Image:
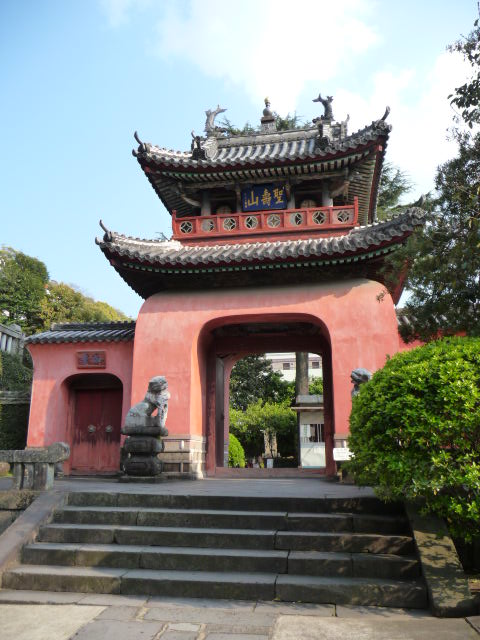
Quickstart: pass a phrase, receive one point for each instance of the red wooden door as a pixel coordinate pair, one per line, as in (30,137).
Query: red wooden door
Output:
(96,430)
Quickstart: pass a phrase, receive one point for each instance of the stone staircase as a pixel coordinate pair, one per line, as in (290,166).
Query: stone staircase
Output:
(341,551)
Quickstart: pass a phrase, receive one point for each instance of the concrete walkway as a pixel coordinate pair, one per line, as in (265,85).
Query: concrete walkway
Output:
(27,615)
(284,487)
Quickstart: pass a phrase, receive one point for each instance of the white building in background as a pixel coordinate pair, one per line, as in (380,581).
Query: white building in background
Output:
(285,363)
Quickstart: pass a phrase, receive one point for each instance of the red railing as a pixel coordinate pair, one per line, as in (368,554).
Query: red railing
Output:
(290,221)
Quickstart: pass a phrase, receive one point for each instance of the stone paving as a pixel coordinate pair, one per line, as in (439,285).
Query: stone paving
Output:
(28,615)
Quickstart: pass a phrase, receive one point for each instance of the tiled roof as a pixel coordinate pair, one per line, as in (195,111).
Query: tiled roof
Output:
(294,154)
(359,240)
(260,148)
(86,332)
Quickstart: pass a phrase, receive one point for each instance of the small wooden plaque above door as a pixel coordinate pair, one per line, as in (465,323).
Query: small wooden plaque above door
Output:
(91,359)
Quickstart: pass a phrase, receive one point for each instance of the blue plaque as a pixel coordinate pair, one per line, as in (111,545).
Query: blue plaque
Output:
(261,197)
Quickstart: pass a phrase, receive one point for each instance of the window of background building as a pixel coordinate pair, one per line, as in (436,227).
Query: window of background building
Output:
(315,364)
(286,366)
(317,433)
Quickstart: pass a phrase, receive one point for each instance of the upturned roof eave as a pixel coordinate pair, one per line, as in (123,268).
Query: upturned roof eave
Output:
(167,261)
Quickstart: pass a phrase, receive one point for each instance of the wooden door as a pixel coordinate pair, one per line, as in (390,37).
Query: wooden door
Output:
(96,430)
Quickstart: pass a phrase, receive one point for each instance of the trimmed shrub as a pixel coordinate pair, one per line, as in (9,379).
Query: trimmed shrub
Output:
(14,374)
(236,454)
(13,426)
(415,431)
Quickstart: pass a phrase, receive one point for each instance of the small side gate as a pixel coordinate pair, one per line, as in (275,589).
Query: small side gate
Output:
(97,415)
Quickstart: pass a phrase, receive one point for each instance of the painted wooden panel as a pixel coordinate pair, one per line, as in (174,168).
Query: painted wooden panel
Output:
(96,430)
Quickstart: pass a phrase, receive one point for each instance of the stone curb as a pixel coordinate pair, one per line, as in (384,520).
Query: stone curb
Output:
(448,591)
(26,526)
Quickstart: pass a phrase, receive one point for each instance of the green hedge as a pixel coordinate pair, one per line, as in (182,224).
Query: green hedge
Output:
(13,426)
(415,431)
(15,375)
(236,454)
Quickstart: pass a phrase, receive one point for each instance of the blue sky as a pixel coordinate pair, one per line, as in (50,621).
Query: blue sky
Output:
(79,77)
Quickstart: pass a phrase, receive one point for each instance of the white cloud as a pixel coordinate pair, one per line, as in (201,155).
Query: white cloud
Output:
(421,115)
(118,12)
(269,47)
(276,48)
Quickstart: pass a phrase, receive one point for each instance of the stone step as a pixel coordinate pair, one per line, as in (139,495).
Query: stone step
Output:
(353,565)
(227,538)
(231,519)
(353,591)
(158,536)
(346,542)
(366,505)
(250,586)
(242,560)
(161,558)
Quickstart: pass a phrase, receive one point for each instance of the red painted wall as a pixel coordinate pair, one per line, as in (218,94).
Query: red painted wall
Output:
(172,337)
(53,365)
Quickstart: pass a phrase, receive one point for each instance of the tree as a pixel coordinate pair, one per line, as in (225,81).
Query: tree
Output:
(282,123)
(315,388)
(394,183)
(253,379)
(444,277)
(63,303)
(23,280)
(467,96)
(444,258)
(28,298)
(419,415)
(250,424)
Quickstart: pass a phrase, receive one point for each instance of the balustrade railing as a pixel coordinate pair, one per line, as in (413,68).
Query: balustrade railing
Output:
(266,222)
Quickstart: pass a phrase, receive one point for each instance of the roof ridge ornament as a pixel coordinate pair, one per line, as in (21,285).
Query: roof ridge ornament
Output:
(198,153)
(108,236)
(143,147)
(268,123)
(327,105)
(210,127)
(381,121)
(385,115)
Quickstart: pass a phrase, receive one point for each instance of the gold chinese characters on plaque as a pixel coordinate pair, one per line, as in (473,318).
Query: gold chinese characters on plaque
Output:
(91,359)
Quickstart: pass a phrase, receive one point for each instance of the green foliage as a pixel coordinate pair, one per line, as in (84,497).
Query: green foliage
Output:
(15,375)
(282,123)
(22,288)
(63,303)
(315,387)
(415,431)
(248,426)
(394,183)
(29,299)
(13,426)
(236,454)
(467,96)
(253,379)
(444,257)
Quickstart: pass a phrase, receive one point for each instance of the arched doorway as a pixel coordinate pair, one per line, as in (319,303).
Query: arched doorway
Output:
(231,341)
(95,402)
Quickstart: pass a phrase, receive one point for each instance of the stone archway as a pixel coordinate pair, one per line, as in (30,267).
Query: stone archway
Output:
(175,337)
(231,341)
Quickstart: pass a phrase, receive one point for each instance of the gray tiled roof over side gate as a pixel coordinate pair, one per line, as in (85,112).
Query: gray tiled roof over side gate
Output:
(86,332)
